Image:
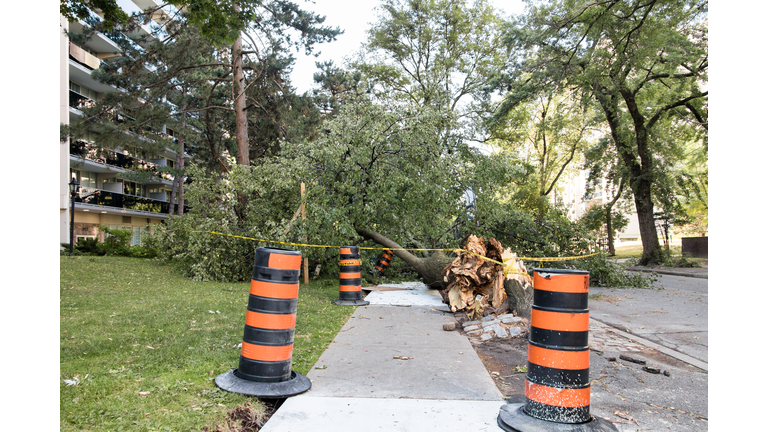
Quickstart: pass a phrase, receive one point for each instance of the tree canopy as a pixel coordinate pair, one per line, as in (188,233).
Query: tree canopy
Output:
(645,64)
(439,53)
(390,146)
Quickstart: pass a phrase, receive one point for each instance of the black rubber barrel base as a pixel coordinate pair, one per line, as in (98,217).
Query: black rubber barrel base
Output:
(512,418)
(232,383)
(341,302)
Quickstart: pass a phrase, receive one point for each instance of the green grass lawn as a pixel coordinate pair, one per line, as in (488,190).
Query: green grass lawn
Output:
(636,251)
(140,345)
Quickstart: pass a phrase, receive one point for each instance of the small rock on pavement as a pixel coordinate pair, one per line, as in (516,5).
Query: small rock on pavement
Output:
(449,326)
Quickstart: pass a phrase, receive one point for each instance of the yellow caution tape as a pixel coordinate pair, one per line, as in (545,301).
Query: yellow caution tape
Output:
(507,269)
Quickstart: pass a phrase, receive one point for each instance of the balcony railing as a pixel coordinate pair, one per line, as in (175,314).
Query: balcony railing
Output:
(117,200)
(78,101)
(84,57)
(91,152)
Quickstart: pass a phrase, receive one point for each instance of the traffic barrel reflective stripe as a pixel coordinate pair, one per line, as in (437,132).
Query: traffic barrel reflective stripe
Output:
(265,289)
(266,321)
(563,398)
(350,280)
(557,382)
(267,353)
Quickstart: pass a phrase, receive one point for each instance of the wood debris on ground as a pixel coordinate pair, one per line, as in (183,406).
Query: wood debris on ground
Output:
(476,285)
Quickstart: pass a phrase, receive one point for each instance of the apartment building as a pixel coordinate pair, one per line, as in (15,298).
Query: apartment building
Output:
(108,194)
(572,195)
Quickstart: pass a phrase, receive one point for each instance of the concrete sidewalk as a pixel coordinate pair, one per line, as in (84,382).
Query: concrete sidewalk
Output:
(392,367)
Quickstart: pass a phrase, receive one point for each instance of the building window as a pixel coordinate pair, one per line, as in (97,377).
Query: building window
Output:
(86,179)
(83,90)
(133,188)
(136,233)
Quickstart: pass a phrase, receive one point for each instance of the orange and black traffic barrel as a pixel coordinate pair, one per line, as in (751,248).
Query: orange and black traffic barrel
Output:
(384,261)
(267,349)
(557,385)
(350,280)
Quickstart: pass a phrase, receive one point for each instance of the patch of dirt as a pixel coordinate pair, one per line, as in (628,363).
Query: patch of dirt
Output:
(247,417)
(506,360)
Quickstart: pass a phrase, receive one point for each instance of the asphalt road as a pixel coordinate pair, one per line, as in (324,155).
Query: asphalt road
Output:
(674,315)
(672,320)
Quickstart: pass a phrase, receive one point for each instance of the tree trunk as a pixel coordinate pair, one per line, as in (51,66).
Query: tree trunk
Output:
(648,234)
(238,90)
(180,166)
(519,297)
(174,188)
(609,227)
(180,207)
(639,172)
(430,268)
(609,217)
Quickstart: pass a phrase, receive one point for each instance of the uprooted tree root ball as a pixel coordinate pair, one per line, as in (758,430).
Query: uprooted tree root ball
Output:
(479,287)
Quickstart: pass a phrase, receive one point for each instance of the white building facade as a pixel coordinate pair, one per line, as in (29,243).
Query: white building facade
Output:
(107,195)
(572,196)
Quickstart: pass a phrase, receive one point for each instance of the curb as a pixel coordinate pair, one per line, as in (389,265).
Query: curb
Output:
(670,272)
(668,351)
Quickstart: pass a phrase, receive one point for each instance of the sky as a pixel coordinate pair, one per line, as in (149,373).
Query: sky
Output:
(354,18)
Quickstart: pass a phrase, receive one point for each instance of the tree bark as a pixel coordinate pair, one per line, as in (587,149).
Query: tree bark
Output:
(180,167)
(238,90)
(648,234)
(609,218)
(174,188)
(180,163)
(430,268)
(609,228)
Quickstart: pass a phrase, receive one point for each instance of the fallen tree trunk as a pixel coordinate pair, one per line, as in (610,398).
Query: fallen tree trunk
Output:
(518,286)
(430,268)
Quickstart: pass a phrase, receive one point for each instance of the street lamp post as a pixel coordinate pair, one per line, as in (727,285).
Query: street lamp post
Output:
(73,186)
